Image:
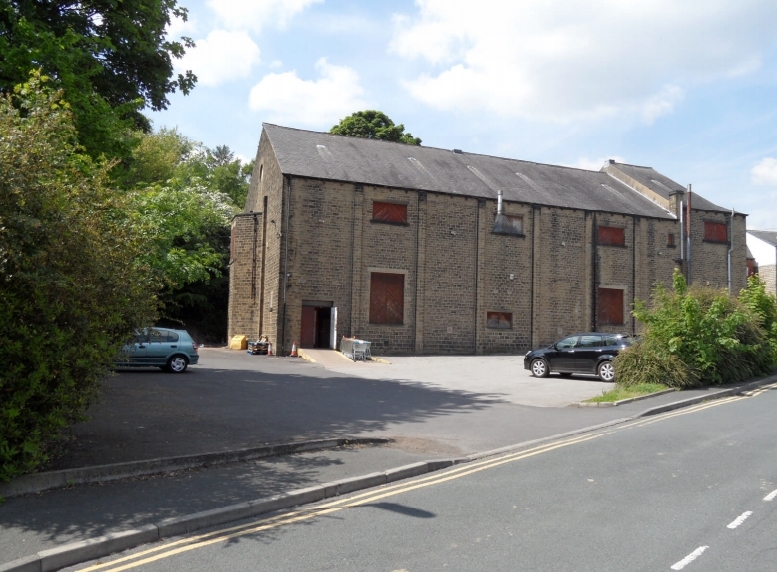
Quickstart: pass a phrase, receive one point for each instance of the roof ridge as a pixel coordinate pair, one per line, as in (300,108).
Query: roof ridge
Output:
(472,153)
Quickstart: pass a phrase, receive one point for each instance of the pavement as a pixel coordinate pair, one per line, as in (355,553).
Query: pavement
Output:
(238,434)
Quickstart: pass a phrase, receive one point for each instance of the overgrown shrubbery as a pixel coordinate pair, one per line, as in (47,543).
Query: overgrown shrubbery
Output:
(701,336)
(72,284)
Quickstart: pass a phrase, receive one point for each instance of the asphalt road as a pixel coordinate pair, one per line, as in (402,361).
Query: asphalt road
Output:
(694,489)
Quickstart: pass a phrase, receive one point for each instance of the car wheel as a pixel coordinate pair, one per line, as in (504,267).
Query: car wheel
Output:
(606,371)
(539,368)
(177,364)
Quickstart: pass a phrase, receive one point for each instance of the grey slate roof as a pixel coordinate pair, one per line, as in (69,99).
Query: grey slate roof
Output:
(663,186)
(376,162)
(768,236)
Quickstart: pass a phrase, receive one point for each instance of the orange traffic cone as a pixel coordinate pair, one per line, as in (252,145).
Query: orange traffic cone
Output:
(294,349)
(269,349)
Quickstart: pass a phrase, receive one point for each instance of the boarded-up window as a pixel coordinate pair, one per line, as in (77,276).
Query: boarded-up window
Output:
(389,212)
(715,231)
(499,320)
(610,306)
(670,240)
(387,298)
(612,236)
(752,269)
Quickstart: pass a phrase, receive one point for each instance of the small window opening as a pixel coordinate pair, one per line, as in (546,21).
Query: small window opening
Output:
(612,236)
(499,320)
(389,212)
(715,231)
(507,224)
(610,307)
(387,298)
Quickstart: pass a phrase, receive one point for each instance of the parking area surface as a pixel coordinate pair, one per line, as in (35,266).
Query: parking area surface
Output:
(496,376)
(429,405)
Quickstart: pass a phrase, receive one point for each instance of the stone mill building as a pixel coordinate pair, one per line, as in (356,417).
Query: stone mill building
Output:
(437,251)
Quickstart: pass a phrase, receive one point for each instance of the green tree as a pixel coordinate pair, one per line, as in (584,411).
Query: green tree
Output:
(73,283)
(111,58)
(187,224)
(156,159)
(373,124)
(185,195)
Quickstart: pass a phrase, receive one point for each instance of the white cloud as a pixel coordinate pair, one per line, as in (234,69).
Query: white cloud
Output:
(221,57)
(316,103)
(595,164)
(555,60)
(255,14)
(764,172)
(662,103)
(178,27)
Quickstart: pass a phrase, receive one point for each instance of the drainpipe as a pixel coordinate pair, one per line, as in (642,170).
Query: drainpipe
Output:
(688,232)
(499,208)
(730,249)
(682,236)
(285,267)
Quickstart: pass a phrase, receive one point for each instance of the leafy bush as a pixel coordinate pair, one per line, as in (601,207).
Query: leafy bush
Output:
(647,362)
(764,307)
(698,336)
(71,286)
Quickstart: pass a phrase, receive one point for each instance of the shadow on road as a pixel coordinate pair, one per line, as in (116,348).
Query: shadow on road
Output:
(148,414)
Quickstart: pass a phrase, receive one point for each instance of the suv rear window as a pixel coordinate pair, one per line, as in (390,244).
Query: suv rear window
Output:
(590,341)
(618,341)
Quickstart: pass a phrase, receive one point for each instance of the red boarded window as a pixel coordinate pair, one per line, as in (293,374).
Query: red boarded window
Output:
(612,236)
(752,269)
(389,212)
(610,306)
(387,298)
(670,239)
(499,320)
(715,231)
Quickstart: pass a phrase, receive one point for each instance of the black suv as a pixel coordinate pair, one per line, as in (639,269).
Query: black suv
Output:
(591,352)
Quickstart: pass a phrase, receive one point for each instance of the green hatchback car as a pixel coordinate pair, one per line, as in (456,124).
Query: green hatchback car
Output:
(171,350)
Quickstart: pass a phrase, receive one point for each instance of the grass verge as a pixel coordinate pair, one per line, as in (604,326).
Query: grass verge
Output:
(628,392)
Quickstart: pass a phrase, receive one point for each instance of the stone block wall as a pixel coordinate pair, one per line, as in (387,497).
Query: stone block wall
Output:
(388,248)
(262,284)
(244,273)
(450,274)
(506,275)
(562,286)
(616,268)
(455,268)
(320,257)
(768,274)
(709,260)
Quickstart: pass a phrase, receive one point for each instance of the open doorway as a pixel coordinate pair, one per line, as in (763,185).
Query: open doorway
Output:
(319,319)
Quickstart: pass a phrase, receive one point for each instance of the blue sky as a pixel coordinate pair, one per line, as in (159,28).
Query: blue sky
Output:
(688,87)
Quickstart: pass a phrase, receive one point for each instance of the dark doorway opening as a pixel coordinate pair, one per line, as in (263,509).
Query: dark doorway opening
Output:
(316,325)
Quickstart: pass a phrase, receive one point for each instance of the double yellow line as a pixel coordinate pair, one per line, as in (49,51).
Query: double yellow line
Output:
(200,541)
(192,543)
(695,408)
